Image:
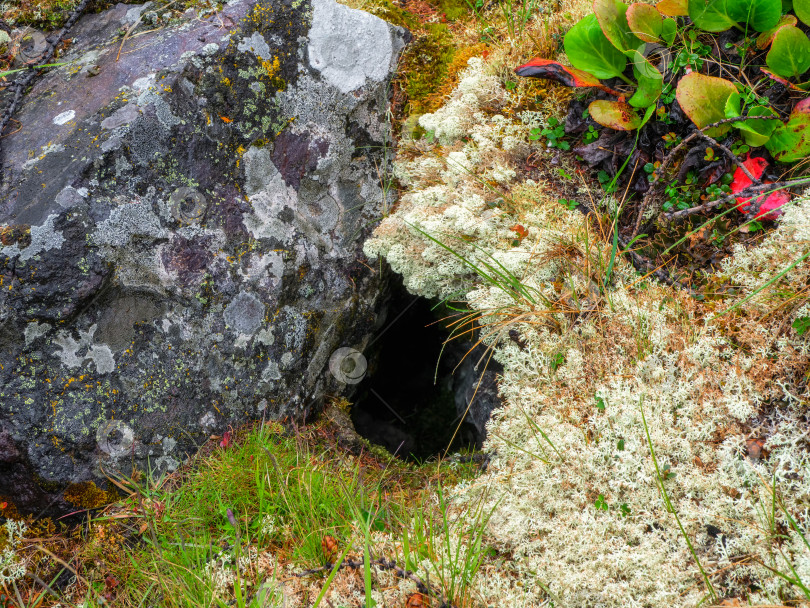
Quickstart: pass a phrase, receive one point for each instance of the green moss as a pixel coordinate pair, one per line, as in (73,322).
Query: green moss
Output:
(52,14)
(385,9)
(87,495)
(424,66)
(452,9)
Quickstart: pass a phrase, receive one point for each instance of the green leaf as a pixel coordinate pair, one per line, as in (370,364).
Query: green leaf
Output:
(757,132)
(589,49)
(614,115)
(647,93)
(650,82)
(669,29)
(710,15)
(789,56)
(802,10)
(765,38)
(759,14)
(600,503)
(790,142)
(612,18)
(647,116)
(801,325)
(703,99)
(600,404)
(645,21)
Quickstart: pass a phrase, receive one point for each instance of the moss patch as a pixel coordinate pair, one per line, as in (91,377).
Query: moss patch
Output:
(424,67)
(87,495)
(52,14)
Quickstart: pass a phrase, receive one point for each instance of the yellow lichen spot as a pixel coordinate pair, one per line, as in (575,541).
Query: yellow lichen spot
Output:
(271,67)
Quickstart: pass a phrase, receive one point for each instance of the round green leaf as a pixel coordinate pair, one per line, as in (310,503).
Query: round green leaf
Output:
(755,132)
(791,142)
(759,14)
(703,100)
(765,38)
(614,115)
(710,15)
(789,56)
(645,21)
(612,18)
(589,49)
(669,30)
(802,10)
(650,82)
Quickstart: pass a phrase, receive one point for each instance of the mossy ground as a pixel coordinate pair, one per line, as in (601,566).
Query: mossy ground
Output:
(254,509)
(52,14)
(578,516)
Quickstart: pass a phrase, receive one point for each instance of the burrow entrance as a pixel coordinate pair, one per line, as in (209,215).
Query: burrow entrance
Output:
(418,384)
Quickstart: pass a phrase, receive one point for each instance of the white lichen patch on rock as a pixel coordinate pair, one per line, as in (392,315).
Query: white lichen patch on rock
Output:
(348,46)
(613,387)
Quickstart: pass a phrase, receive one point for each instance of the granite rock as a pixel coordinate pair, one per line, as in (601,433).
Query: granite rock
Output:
(181,220)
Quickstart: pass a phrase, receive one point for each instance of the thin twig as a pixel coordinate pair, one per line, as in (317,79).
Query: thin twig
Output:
(645,265)
(21,83)
(747,192)
(659,173)
(135,25)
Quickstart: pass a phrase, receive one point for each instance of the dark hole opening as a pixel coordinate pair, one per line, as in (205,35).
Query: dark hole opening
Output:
(413,400)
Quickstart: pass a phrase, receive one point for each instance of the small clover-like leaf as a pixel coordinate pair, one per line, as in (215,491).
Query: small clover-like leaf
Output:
(801,325)
(600,503)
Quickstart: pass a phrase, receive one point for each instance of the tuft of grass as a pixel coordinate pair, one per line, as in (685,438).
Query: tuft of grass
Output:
(222,530)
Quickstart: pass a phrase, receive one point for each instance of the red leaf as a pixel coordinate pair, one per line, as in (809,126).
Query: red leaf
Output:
(226,439)
(552,70)
(521,231)
(781,80)
(756,165)
(769,209)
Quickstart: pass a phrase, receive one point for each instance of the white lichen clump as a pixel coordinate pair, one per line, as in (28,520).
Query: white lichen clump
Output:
(575,493)
(12,568)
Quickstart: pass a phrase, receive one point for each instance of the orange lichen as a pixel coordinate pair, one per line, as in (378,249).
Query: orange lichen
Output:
(459,62)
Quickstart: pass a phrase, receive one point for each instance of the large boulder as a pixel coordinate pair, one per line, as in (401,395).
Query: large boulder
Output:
(182,208)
